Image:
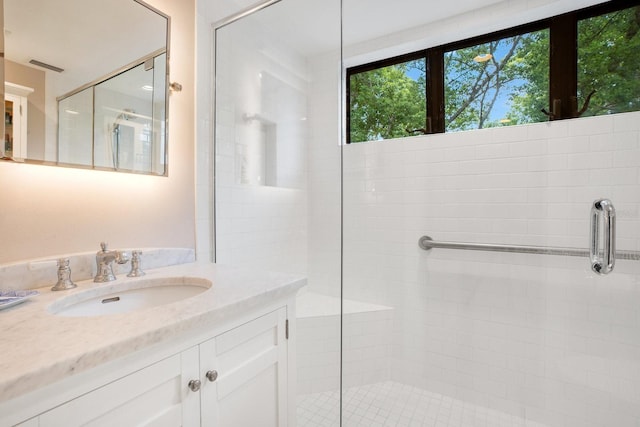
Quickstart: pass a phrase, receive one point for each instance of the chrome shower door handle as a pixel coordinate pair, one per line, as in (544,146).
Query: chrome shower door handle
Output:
(603,208)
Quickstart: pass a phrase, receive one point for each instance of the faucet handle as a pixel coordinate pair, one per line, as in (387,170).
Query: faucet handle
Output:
(64,276)
(104,246)
(136,262)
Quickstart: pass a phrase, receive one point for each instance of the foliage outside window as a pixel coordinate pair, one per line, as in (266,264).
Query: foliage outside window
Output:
(497,83)
(609,62)
(581,63)
(388,102)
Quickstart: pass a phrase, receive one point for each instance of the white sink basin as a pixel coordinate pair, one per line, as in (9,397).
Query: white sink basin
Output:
(129,296)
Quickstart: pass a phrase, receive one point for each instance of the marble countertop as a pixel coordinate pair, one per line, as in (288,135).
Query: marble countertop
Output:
(38,348)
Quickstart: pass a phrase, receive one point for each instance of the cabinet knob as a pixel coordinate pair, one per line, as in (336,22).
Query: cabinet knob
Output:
(194,385)
(212,375)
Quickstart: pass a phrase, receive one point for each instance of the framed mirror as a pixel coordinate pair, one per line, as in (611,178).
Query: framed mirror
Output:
(86,84)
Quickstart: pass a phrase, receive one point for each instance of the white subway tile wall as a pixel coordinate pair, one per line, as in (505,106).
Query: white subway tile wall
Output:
(260,224)
(324,176)
(539,337)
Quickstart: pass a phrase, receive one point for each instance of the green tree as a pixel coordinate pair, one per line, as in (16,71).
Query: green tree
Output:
(609,62)
(608,66)
(386,102)
(531,91)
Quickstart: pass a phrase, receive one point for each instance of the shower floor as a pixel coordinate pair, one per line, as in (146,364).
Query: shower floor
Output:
(394,404)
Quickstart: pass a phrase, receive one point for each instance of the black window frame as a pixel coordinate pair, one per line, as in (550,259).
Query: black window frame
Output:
(563,64)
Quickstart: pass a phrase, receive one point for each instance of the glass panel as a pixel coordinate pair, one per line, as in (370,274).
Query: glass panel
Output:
(500,83)
(388,102)
(608,62)
(277,175)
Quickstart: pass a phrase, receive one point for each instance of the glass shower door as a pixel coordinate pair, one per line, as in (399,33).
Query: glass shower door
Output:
(277,176)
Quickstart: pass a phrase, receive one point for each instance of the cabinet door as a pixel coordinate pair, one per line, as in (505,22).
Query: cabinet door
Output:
(157,395)
(251,363)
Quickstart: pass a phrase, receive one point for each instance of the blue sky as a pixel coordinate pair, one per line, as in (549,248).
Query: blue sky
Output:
(502,104)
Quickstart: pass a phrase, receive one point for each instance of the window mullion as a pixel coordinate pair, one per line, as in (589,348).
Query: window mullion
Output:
(435,90)
(563,70)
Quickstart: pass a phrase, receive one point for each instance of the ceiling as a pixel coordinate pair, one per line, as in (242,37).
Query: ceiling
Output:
(87,38)
(314,26)
(371,19)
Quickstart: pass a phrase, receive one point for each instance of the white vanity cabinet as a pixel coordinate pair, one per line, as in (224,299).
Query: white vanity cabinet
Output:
(236,378)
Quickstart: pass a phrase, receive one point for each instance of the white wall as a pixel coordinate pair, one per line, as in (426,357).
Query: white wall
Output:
(45,211)
(537,336)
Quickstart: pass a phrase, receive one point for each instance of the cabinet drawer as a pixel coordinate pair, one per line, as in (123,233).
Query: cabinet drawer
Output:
(154,396)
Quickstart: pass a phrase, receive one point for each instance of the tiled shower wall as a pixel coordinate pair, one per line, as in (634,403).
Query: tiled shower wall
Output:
(541,337)
(324,177)
(259,226)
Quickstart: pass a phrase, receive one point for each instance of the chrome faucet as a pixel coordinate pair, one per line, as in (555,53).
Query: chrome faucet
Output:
(104,260)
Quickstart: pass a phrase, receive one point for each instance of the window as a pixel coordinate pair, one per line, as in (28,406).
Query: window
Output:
(388,101)
(580,63)
(498,83)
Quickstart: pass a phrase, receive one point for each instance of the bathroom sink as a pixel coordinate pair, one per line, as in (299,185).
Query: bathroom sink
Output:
(129,296)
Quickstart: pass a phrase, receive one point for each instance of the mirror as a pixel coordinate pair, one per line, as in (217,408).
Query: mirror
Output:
(86,84)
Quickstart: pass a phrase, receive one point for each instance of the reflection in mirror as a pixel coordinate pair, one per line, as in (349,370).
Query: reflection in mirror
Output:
(75,126)
(71,54)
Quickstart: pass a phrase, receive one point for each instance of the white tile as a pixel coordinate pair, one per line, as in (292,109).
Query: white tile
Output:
(564,145)
(523,147)
(557,129)
(626,158)
(626,122)
(590,126)
(598,160)
(618,176)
